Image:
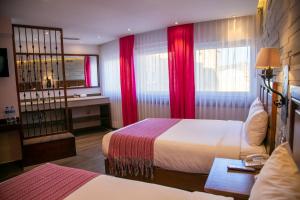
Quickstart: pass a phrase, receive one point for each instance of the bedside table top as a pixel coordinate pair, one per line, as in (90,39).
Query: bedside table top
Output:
(226,182)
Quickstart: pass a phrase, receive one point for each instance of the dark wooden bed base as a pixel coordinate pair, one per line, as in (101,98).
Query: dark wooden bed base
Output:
(196,181)
(175,179)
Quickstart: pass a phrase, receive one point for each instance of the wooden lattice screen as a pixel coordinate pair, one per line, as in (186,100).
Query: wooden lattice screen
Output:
(40,71)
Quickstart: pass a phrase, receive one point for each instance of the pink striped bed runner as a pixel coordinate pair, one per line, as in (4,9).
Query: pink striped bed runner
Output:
(131,149)
(48,181)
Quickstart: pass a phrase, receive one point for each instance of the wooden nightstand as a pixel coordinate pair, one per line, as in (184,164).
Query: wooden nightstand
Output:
(222,181)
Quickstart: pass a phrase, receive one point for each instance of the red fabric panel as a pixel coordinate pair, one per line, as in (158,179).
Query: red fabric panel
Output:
(131,149)
(48,181)
(181,71)
(87,71)
(128,89)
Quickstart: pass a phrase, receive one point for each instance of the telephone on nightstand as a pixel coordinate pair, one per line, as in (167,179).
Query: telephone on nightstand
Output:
(256,160)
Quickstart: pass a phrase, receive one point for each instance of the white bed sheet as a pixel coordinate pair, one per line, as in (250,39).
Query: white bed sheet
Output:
(112,188)
(192,144)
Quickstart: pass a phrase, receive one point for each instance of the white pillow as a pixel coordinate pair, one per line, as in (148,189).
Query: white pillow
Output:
(279,178)
(255,102)
(256,127)
(256,105)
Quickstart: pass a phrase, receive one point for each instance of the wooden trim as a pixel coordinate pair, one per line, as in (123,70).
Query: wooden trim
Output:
(103,117)
(181,180)
(38,136)
(268,98)
(64,79)
(80,54)
(273,119)
(37,27)
(70,114)
(21,133)
(294,133)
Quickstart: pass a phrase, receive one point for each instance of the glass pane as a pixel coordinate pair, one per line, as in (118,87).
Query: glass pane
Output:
(223,69)
(152,73)
(81,71)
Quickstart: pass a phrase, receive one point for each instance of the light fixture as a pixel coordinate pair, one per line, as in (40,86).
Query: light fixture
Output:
(267,60)
(176,23)
(47,32)
(129,30)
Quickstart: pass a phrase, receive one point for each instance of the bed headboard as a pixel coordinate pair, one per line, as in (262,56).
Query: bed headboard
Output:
(267,98)
(294,134)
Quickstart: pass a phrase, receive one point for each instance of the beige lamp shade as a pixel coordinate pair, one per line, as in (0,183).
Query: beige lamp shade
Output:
(268,57)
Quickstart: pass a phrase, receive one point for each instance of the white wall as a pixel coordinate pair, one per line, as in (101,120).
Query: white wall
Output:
(10,147)
(8,90)
(81,49)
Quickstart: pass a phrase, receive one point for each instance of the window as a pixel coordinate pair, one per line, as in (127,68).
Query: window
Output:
(223,70)
(152,74)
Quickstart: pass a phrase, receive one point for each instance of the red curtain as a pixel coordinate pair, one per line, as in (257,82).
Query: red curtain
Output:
(87,71)
(128,89)
(181,71)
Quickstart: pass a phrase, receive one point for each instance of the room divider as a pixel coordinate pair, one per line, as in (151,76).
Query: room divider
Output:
(39,64)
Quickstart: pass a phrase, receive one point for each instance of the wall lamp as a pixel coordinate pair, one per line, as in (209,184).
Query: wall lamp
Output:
(267,60)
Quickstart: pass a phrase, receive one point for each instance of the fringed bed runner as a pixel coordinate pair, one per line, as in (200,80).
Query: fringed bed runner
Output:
(131,149)
(49,181)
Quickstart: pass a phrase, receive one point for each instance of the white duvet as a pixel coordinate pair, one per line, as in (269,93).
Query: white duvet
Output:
(112,188)
(192,144)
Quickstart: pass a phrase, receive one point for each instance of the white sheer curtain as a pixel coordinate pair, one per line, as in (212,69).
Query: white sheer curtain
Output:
(224,68)
(110,79)
(151,74)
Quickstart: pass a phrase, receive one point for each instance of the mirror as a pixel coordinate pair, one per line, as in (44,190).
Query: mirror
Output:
(43,72)
(81,71)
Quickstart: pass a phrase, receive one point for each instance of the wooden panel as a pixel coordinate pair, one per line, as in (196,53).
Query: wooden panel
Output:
(180,180)
(49,150)
(86,117)
(294,136)
(268,99)
(85,111)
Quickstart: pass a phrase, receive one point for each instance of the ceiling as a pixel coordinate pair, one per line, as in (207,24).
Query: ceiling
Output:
(99,21)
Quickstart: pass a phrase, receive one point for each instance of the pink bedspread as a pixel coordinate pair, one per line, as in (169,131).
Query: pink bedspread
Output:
(47,181)
(131,149)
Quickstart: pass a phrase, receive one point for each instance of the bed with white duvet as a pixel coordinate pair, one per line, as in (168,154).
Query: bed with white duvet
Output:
(192,144)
